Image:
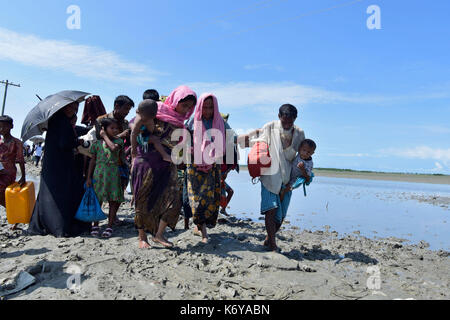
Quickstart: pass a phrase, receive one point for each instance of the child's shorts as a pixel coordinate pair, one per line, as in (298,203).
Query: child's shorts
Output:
(270,201)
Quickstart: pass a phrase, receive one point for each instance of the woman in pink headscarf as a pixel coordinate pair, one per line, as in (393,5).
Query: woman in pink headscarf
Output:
(203,176)
(156,192)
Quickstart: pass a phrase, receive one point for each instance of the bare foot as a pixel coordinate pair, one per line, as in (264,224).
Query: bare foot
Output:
(274,249)
(143,244)
(266,242)
(15,227)
(204,234)
(162,241)
(197,232)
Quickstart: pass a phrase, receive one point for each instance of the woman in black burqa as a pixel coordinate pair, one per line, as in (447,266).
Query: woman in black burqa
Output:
(61,186)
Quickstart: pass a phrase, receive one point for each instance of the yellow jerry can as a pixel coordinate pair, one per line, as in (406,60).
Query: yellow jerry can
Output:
(20,203)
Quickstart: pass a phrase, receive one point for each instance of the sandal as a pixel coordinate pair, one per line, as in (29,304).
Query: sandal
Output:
(107,233)
(118,222)
(95,231)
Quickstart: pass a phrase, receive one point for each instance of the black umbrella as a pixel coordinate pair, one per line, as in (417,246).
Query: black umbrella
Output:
(36,121)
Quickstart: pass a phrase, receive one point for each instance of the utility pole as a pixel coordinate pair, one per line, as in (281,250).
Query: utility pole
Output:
(7,83)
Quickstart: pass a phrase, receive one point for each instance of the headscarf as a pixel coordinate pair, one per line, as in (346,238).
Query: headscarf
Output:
(166,110)
(199,132)
(93,108)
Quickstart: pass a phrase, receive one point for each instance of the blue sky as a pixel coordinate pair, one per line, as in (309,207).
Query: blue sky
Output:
(371,99)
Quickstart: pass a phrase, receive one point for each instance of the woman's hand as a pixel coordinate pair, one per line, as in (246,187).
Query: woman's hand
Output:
(88,182)
(102,133)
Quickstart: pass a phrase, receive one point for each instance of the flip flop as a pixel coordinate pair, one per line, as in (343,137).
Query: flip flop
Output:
(95,231)
(107,233)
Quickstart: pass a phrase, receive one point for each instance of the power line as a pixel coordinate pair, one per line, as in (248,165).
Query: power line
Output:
(7,83)
(204,24)
(297,17)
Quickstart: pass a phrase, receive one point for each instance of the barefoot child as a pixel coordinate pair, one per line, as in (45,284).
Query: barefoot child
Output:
(302,165)
(106,161)
(11,152)
(143,127)
(226,191)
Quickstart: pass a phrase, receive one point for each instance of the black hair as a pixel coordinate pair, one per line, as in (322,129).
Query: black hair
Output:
(288,110)
(310,143)
(106,122)
(7,119)
(151,94)
(189,98)
(148,107)
(123,101)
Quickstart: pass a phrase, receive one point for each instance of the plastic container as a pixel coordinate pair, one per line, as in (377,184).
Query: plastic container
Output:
(20,203)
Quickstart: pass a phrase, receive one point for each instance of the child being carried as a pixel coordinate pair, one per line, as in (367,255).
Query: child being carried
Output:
(301,166)
(143,127)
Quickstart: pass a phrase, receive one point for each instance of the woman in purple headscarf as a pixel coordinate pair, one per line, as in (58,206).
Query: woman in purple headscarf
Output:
(156,192)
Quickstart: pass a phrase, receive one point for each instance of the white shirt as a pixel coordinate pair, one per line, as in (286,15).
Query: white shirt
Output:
(280,171)
(38,151)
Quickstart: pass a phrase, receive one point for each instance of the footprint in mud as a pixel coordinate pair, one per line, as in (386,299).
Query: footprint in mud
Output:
(108,286)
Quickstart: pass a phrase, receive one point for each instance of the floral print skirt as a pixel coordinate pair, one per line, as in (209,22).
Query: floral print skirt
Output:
(204,194)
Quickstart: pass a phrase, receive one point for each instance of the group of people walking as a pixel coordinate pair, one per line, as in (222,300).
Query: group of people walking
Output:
(144,153)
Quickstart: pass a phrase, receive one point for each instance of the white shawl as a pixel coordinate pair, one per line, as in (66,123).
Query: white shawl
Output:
(280,171)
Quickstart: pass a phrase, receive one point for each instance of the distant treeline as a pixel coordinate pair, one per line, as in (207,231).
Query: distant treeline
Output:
(244,167)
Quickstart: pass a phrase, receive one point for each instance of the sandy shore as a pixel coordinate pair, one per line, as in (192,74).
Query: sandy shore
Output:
(234,265)
(417,178)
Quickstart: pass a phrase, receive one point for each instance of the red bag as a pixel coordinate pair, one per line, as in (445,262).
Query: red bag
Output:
(258,158)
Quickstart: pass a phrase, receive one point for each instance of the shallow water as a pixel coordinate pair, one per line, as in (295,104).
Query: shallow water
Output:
(375,208)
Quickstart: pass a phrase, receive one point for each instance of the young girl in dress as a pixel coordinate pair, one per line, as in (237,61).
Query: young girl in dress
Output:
(106,176)
(11,152)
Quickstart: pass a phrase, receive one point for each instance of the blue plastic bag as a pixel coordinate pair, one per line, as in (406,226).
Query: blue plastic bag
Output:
(90,209)
(302,181)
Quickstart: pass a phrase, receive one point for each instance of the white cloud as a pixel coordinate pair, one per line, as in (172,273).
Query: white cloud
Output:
(350,155)
(81,60)
(270,94)
(265,66)
(421,152)
(247,93)
(435,129)
(238,94)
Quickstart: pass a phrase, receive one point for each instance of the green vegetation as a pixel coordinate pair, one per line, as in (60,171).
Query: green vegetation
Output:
(244,167)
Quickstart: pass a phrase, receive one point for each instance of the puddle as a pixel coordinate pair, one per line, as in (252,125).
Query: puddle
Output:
(375,208)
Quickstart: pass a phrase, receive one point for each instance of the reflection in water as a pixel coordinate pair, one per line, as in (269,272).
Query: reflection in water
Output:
(375,208)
